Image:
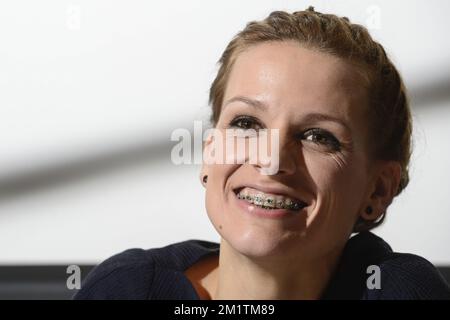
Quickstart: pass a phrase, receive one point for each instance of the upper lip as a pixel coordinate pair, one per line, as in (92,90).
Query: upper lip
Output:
(273,189)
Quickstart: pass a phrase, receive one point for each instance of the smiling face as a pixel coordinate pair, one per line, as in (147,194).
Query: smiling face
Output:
(318,103)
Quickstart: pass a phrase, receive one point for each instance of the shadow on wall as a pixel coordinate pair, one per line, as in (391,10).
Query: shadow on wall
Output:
(145,152)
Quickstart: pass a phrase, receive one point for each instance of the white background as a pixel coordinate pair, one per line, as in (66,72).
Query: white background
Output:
(90,92)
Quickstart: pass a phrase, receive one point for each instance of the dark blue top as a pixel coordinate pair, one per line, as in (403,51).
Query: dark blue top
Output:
(158,273)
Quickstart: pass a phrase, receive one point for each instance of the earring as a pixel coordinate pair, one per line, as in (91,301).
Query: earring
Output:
(369,210)
(205,178)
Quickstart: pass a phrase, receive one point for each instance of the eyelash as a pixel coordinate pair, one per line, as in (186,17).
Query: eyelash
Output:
(331,141)
(235,122)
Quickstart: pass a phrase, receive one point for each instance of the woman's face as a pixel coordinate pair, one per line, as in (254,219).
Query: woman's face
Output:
(317,102)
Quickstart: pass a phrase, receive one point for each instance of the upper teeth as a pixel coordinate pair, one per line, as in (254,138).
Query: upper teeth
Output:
(269,201)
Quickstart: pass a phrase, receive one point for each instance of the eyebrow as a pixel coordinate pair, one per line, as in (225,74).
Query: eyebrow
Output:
(310,117)
(251,102)
(320,117)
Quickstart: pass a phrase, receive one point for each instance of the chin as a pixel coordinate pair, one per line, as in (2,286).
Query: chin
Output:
(254,244)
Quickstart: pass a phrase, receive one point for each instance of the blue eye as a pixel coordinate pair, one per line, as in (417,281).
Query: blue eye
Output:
(322,137)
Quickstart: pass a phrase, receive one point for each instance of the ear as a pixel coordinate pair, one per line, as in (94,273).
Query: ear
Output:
(207,144)
(386,180)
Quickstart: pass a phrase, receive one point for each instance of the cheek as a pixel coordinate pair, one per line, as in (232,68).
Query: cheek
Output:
(338,187)
(335,171)
(339,183)
(218,192)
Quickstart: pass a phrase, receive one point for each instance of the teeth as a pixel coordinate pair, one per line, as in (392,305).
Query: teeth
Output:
(258,199)
(268,201)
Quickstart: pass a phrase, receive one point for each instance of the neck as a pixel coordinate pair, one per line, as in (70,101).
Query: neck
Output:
(289,278)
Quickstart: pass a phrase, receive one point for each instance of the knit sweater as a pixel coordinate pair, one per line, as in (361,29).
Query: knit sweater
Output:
(157,273)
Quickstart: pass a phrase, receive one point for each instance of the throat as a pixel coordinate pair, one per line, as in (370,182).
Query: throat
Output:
(203,276)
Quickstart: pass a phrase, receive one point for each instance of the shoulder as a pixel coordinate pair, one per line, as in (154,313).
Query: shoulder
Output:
(125,275)
(370,269)
(409,276)
(136,273)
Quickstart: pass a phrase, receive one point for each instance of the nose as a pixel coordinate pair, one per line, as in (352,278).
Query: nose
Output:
(284,151)
(288,158)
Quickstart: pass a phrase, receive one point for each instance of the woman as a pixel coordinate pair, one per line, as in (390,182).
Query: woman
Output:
(344,127)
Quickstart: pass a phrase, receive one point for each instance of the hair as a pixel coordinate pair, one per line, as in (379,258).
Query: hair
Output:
(388,111)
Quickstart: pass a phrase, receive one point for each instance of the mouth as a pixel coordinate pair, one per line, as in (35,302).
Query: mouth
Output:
(275,200)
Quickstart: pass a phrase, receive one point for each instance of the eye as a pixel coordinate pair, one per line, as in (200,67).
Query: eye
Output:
(245,122)
(322,138)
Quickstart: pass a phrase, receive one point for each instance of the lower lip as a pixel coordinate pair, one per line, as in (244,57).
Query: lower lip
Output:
(266,213)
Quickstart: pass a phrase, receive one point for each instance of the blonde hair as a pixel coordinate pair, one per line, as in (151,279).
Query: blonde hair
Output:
(388,113)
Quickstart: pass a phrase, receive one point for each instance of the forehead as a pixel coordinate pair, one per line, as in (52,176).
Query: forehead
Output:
(285,73)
